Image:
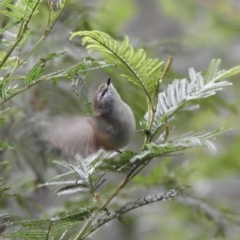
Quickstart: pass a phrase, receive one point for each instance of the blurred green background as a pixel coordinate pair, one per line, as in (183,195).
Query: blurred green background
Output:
(193,32)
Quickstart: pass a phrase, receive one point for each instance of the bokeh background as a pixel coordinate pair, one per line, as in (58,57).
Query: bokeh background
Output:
(193,32)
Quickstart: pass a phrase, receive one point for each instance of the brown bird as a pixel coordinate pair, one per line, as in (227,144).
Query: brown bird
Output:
(111,127)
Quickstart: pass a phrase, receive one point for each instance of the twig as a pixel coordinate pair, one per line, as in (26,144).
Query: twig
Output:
(166,196)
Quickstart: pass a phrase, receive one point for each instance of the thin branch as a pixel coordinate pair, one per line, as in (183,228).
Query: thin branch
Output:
(146,159)
(48,231)
(166,196)
(22,30)
(85,227)
(113,194)
(45,34)
(45,78)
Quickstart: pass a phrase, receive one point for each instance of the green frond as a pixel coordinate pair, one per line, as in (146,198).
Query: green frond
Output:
(54,12)
(4,3)
(9,25)
(27,3)
(23,12)
(120,164)
(201,139)
(85,96)
(20,10)
(11,14)
(3,145)
(213,74)
(212,70)
(4,45)
(10,63)
(35,73)
(140,70)
(2,121)
(51,228)
(180,92)
(17,9)
(228,73)
(3,85)
(7,89)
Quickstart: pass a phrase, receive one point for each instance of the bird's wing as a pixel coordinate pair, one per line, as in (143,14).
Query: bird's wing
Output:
(75,135)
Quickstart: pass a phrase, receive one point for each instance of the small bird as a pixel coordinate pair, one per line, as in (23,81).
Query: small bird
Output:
(111,127)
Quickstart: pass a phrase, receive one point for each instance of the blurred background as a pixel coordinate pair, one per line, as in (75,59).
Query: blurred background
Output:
(193,32)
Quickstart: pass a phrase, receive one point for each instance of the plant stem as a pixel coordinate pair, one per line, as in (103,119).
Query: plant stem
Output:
(22,30)
(115,192)
(83,230)
(45,34)
(32,84)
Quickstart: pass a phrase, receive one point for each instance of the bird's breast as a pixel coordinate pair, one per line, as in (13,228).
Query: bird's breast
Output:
(114,134)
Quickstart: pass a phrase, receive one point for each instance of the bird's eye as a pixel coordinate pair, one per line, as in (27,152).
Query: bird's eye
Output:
(104,91)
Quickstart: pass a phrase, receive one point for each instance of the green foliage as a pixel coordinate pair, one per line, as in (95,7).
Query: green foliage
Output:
(3,145)
(51,228)
(23,11)
(146,73)
(20,10)
(142,71)
(84,177)
(2,121)
(118,164)
(34,76)
(35,73)
(8,26)
(181,92)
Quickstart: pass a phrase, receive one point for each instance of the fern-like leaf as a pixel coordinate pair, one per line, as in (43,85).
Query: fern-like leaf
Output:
(34,74)
(9,25)
(19,10)
(182,91)
(140,70)
(201,139)
(4,3)
(212,70)
(86,171)
(50,228)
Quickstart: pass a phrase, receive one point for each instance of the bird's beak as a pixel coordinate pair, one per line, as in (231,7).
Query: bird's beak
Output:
(108,81)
